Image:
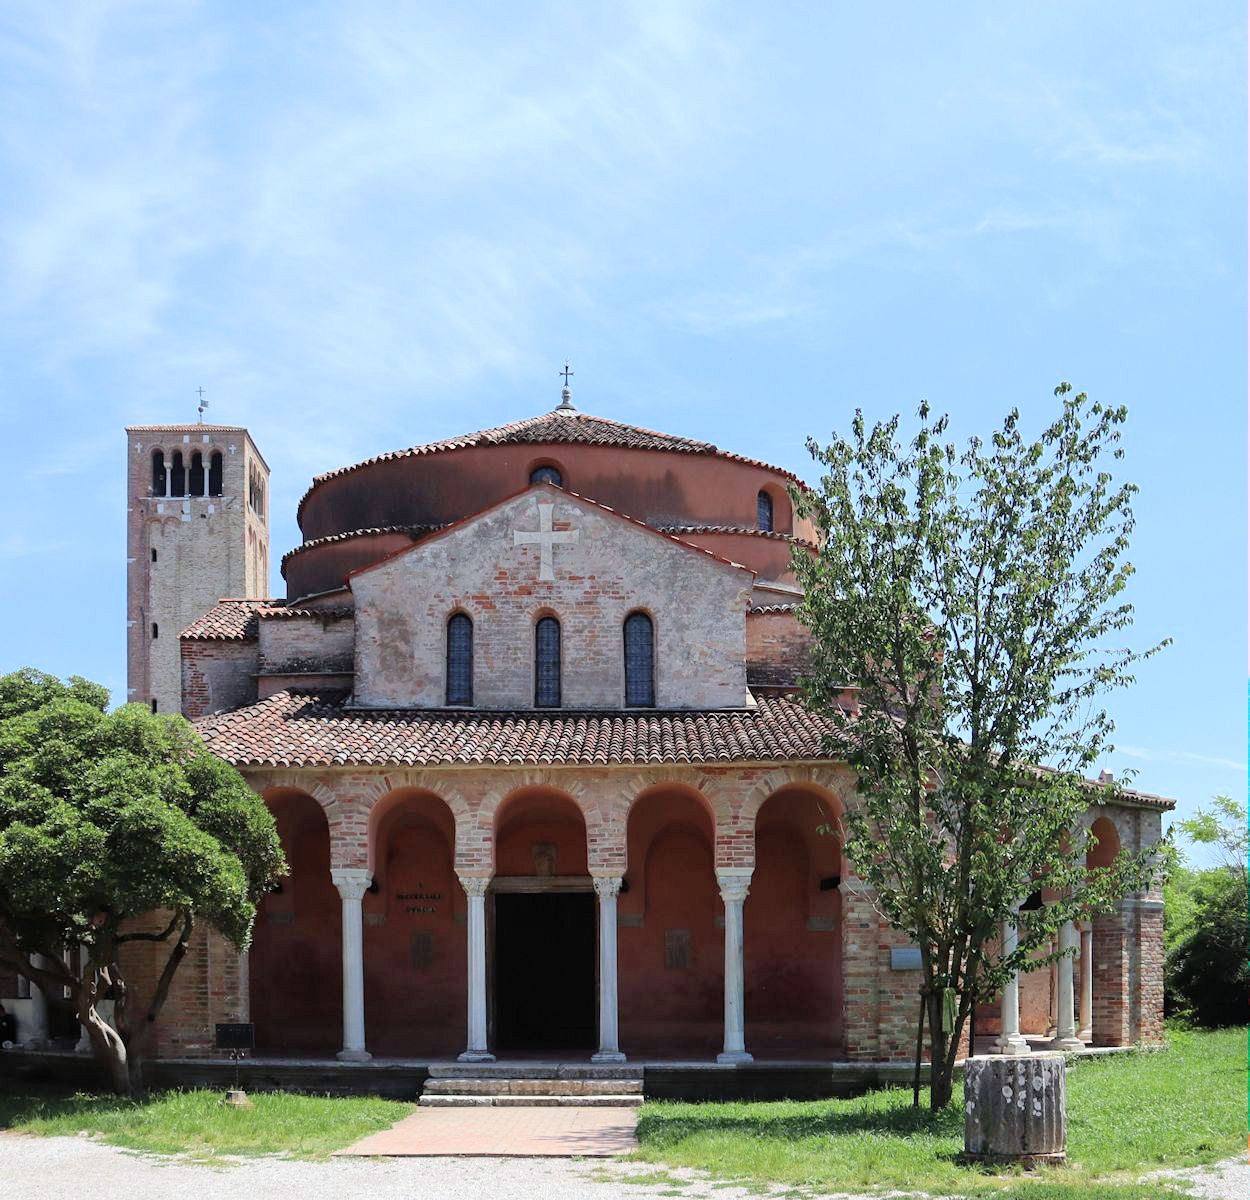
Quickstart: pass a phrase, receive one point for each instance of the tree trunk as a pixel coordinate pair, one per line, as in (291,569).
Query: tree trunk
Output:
(940,1073)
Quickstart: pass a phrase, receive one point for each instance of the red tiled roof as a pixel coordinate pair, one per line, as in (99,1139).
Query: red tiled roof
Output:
(412,531)
(680,530)
(189,427)
(559,426)
(316,729)
(227,621)
(280,611)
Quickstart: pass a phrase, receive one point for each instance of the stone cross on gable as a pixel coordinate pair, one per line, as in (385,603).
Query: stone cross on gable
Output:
(544,538)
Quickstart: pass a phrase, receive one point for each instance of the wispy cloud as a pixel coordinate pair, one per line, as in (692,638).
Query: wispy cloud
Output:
(1181,756)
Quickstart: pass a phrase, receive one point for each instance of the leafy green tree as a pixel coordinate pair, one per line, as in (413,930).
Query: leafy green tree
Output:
(107,818)
(1207,969)
(969,597)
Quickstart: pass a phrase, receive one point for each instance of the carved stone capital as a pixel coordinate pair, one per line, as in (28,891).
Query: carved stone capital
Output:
(352,882)
(734,883)
(608,885)
(474,885)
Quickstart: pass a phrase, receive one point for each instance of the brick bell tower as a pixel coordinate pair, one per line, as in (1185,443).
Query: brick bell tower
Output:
(197,530)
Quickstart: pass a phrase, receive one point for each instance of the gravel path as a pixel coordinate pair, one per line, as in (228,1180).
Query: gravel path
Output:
(71,1168)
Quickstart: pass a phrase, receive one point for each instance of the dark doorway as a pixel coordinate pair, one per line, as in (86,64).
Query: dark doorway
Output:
(545,971)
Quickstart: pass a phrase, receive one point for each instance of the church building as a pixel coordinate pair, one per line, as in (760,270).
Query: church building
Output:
(527,720)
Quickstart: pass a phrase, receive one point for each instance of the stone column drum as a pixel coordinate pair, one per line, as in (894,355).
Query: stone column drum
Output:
(1015,1108)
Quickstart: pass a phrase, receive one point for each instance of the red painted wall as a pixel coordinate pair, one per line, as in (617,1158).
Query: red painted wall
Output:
(295,964)
(415,945)
(793,933)
(670,1011)
(535,818)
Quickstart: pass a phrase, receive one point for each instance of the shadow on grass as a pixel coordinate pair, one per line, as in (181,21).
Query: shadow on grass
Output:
(660,1129)
(46,1104)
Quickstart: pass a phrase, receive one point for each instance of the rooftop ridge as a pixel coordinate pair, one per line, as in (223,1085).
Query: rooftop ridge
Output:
(557,426)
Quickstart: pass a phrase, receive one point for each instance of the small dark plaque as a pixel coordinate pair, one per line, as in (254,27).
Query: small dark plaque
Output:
(236,1037)
(677,949)
(422,951)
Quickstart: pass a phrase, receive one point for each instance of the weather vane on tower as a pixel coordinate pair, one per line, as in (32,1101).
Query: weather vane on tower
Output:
(203,403)
(566,396)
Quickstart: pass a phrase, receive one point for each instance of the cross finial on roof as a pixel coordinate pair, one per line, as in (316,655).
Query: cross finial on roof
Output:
(566,396)
(203,403)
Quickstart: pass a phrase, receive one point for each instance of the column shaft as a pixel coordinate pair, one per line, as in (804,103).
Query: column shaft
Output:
(1087,983)
(1010,1041)
(734,886)
(1065,1024)
(607,888)
(352,884)
(475,889)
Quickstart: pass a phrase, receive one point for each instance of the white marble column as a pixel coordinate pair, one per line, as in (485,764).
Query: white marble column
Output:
(37,1039)
(1065,1022)
(475,889)
(735,883)
(1086,1032)
(607,888)
(352,883)
(1010,1041)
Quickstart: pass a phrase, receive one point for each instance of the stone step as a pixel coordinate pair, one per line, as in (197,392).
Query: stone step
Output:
(532,1087)
(521,1070)
(628,1100)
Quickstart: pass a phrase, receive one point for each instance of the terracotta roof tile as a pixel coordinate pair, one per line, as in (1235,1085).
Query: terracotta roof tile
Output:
(316,729)
(680,530)
(227,621)
(558,426)
(412,531)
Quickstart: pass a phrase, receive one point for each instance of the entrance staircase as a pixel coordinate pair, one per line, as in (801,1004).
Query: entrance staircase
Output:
(481,1085)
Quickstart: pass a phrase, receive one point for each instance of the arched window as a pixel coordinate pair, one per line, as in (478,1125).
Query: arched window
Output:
(178,476)
(459,660)
(547,475)
(214,474)
(159,477)
(155,631)
(547,663)
(764,512)
(639,661)
(153,553)
(195,486)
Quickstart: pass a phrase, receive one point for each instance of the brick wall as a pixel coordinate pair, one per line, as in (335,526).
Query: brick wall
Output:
(778,648)
(614,567)
(217,675)
(325,643)
(206,547)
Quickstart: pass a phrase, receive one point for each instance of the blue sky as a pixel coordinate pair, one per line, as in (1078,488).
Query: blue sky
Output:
(365,226)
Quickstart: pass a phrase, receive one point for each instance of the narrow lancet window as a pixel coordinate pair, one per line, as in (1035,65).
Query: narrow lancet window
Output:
(156,632)
(764,512)
(639,661)
(214,475)
(196,487)
(547,663)
(460,660)
(159,478)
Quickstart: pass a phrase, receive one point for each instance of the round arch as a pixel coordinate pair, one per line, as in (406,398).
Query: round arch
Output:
(294,964)
(414,945)
(670,941)
(793,927)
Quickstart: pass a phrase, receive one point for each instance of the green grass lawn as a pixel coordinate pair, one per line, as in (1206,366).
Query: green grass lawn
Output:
(199,1124)
(1127,1114)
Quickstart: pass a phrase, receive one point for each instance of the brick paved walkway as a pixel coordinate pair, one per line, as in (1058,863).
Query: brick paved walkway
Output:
(518,1132)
